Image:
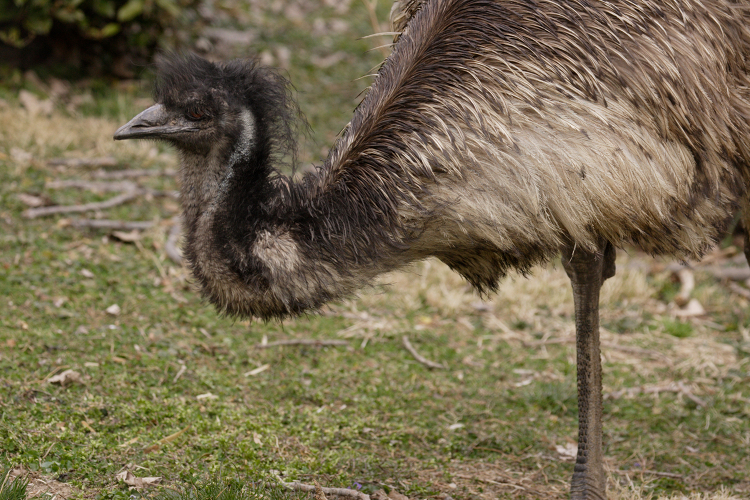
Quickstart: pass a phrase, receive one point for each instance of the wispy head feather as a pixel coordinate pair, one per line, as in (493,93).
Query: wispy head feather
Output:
(185,80)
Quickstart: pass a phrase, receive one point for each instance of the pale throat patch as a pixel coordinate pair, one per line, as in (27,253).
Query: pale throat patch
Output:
(243,148)
(278,251)
(247,138)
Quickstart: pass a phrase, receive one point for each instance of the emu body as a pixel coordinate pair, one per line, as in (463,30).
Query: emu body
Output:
(496,135)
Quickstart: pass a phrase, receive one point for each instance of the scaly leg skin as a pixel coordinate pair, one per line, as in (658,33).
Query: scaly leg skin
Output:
(746,227)
(587,271)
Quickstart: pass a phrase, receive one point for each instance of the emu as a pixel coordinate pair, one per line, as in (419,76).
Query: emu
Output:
(497,135)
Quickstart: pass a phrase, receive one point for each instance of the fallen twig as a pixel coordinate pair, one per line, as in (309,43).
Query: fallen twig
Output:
(419,357)
(311,342)
(122,225)
(739,290)
(608,345)
(107,161)
(503,482)
(171,245)
(105,186)
(687,284)
(740,272)
(102,186)
(342,492)
(679,388)
(127,174)
(650,472)
(101,205)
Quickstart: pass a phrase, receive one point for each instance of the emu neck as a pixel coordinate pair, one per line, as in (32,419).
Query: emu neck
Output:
(207,179)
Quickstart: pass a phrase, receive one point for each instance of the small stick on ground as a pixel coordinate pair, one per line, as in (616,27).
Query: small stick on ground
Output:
(419,357)
(609,345)
(649,472)
(128,174)
(102,186)
(342,492)
(739,290)
(120,225)
(171,245)
(33,213)
(83,162)
(310,342)
(687,284)
(319,493)
(679,388)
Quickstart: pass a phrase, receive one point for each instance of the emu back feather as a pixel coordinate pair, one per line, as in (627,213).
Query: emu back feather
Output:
(496,132)
(530,124)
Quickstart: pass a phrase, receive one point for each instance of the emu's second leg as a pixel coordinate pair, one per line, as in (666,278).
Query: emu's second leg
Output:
(587,271)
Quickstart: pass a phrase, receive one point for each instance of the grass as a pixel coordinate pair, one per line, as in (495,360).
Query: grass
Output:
(12,488)
(170,389)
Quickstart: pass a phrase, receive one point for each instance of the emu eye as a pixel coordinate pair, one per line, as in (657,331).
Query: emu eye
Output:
(196,115)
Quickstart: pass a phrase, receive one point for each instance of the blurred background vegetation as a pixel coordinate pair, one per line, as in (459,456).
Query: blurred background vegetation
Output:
(93,36)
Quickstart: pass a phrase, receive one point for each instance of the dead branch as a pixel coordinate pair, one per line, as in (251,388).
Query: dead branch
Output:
(171,245)
(102,186)
(678,388)
(502,482)
(687,284)
(33,213)
(127,174)
(728,272)
(121,225)
(609,345)
(649,472)
(419,357)
(309,342)
(342,492)
(739,290)
(107,161)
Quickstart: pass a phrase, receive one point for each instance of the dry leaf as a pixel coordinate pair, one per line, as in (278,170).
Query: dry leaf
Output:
(20,156)
(34,105)
(33,201)
(65,378)
(133,481)
(114,310)
(127,237)
(257,370)
(379,495)
(165,440)
(395,495)
(567,452)
(88,427)
(693,308)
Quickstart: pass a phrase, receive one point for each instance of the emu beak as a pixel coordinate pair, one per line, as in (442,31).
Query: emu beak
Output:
(154,123)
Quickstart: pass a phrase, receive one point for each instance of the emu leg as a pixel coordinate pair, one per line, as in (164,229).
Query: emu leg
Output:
(587,271)
(746,227)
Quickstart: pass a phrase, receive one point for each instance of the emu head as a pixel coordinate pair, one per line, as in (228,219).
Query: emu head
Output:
(231,110)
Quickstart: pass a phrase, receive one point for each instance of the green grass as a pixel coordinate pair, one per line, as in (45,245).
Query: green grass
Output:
(170,389)
(12,488)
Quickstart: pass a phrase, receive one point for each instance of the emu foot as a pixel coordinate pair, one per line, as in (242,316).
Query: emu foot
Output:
(588,483)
